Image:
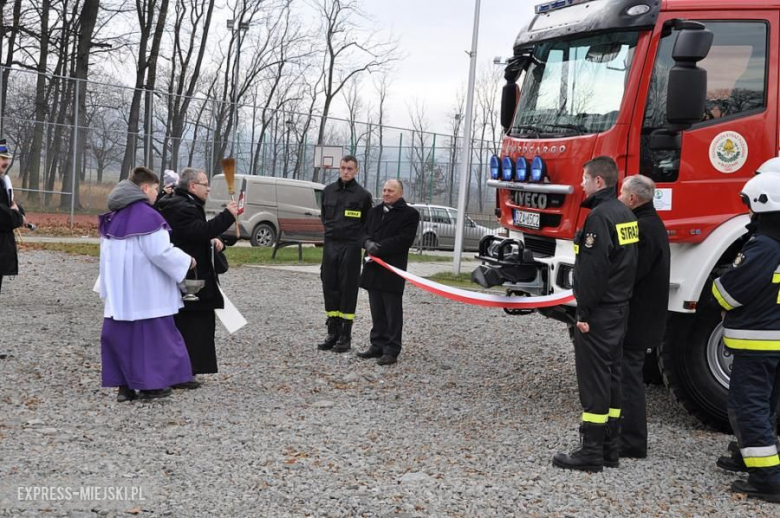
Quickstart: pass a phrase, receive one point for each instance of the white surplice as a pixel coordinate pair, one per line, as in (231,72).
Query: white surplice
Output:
(139,276)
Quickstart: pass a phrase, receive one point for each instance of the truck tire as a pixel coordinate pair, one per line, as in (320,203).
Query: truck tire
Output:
(695,364)
(263,234)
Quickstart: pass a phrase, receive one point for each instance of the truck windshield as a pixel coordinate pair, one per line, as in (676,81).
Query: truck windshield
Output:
(574,87)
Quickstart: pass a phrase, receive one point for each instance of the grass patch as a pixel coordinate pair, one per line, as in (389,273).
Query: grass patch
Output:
(461,280)
(237,256)
(90,249)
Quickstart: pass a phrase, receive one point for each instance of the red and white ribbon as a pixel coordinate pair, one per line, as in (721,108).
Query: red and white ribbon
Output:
(480,299)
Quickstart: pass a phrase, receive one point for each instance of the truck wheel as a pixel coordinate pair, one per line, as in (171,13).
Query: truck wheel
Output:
(263,235)
(695,364)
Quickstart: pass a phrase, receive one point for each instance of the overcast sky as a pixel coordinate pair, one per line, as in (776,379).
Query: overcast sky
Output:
(435,36)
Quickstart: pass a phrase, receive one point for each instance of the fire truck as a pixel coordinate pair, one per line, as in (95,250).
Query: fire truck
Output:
(682,91)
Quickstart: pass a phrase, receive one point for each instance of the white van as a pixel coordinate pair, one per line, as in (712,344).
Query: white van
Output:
(271,203)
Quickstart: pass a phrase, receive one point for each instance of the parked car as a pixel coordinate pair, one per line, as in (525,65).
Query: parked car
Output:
(270,202)
(437,228)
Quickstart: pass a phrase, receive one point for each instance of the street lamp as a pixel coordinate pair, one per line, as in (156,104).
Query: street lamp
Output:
(242,27)
(464,163)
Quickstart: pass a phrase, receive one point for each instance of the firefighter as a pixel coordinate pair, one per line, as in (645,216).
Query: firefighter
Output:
(345,206)
(604,270)
(748,294)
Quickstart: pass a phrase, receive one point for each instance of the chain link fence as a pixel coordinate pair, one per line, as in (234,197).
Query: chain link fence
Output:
(70,136)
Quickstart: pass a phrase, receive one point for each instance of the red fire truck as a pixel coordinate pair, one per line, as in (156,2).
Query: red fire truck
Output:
(682,91)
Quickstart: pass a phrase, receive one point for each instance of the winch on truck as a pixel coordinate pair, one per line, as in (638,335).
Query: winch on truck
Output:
(684,92)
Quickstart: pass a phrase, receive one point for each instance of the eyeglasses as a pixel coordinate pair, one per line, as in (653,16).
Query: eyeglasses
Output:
(201,183)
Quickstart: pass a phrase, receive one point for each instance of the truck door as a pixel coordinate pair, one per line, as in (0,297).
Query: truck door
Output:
(698,184)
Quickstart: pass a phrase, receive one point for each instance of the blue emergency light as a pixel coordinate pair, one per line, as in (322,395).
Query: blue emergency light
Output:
(538,169)
(521,169)
(508,168)
(556,4)
(495,167)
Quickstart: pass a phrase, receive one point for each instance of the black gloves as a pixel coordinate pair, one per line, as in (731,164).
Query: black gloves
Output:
(371,247)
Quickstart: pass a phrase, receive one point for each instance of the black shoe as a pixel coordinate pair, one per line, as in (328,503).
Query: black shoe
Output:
(334,330)
(743,486)
(125,394)
(731,463)
(154,394)
(386,359)
(632,453)
(590,455)
(344,343)
(187,385)
(370,353)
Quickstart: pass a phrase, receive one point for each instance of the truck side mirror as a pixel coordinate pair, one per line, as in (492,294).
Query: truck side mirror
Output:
(508,105)
(686,92)
(509,92)
(687,88)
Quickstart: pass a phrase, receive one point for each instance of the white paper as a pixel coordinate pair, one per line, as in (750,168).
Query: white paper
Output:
(663,199)
(230,317)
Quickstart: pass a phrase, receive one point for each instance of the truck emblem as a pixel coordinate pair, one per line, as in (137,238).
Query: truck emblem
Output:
(728,152)
(590,240)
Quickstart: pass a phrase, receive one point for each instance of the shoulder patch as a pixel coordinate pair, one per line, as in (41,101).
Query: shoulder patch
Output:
(590,240)
(627,233)
(738,259)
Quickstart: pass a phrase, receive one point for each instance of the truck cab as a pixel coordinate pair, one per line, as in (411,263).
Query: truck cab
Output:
(682,91)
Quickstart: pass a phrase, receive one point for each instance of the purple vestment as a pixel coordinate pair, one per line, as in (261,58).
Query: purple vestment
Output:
(143,354)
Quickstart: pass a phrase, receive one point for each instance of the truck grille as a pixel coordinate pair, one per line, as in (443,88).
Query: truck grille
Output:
(542,246)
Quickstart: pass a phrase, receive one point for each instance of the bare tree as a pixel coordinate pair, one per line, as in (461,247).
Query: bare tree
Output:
(185,73)
(151,15)
(456,119)
(348,53)
(382,89)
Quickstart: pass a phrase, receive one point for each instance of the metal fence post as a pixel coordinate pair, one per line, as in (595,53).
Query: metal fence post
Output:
(433,168)
(75,151)
(400,147)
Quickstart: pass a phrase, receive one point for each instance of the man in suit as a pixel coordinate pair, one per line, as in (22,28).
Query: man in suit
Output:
(389,233)
(647,312)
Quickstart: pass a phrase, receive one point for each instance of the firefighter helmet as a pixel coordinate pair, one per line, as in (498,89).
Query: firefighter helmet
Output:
(762,192)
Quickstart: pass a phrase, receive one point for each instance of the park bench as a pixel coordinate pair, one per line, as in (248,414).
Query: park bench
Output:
(298,232)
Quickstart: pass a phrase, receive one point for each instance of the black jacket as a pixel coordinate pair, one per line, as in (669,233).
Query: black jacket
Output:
(394,232)
(9,220)
(344,210)
(193,234)
(606,250)
(649,303)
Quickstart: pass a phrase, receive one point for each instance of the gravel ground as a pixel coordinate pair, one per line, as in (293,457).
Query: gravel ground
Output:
(464,425)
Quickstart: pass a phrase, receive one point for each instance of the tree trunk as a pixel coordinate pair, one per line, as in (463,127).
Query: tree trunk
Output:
(41,106)
(87,19)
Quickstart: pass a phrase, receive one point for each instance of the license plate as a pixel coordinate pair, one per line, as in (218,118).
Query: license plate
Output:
(527,219)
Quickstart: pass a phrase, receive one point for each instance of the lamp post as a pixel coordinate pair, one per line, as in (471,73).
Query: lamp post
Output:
(242,27)
(464,163)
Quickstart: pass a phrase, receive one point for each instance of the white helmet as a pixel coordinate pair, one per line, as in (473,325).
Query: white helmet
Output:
(762,192)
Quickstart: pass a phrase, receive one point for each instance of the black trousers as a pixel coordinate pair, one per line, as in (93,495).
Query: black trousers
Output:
(597,357)
(198,328)
(1,283)
(340,274)
(387,317)
(633,429)
(754,392)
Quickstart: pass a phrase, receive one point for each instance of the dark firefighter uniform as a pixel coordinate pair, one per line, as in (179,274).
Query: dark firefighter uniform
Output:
(750,294)
(604,270)
(344,211)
